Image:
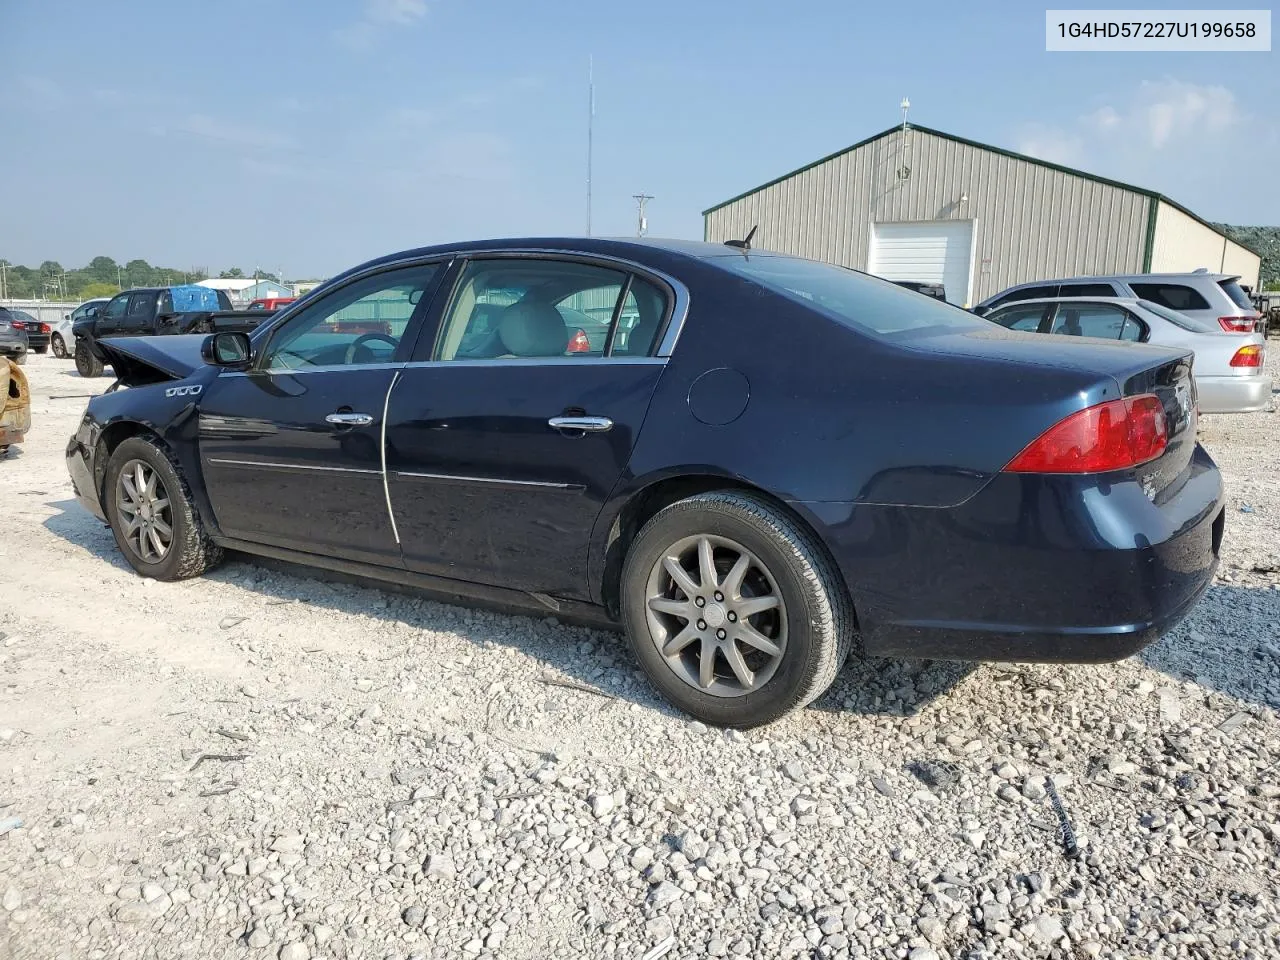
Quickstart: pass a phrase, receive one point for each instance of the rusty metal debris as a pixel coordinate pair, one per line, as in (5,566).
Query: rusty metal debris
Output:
(15,414)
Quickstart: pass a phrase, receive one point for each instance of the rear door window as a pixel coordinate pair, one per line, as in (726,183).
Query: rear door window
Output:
(1027,318)
(1089,290)
(1028,293)
(1175,296)
(1090,320)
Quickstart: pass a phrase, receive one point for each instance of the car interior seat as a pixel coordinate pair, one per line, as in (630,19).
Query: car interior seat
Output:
(531,329)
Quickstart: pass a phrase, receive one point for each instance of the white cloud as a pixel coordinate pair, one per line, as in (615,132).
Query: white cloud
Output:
(379,15)
(234,133)
(1052,144)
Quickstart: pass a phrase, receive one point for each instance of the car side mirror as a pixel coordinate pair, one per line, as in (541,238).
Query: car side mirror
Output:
(230,348)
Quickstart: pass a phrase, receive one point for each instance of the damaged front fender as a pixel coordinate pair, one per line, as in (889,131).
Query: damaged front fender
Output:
(15,415)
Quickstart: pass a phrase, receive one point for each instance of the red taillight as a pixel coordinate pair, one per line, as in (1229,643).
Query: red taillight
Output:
(579,343)
(44,328)
(1114,435)
(1237,324)
(19,325)
(1250,356)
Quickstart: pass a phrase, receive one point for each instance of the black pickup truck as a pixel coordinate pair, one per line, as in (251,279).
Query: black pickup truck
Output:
(156,311)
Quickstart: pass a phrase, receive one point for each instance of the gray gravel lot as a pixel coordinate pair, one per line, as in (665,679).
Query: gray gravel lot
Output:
(262,764)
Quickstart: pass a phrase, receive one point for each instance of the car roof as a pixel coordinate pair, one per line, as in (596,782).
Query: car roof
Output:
(627,247)
(1122,301)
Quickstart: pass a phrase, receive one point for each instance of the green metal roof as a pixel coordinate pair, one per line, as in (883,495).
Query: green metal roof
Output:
(1153,195)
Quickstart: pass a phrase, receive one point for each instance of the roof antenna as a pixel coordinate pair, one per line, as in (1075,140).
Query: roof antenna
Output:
(744,244)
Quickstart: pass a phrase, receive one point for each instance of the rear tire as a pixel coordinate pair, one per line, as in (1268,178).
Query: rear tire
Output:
(183,552)
(86,363)
(44,349)
(776,618)
(59,347)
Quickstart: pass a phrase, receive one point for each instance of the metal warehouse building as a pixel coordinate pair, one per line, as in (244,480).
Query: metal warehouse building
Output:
(917,204)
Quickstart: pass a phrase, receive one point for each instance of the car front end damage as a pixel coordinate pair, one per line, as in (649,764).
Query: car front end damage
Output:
(15,415)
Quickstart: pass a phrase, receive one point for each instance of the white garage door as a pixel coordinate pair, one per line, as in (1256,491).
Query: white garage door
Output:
(932,251)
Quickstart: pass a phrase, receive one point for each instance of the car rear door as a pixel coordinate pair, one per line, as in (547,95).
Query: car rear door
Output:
(501,444)
(291,449)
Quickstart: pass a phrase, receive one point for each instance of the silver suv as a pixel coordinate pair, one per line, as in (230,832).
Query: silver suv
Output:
(1215,299)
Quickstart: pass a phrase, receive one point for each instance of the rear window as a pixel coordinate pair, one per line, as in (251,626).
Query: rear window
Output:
(1233,290)
(1175,296)
(852,298)
(1176,318)
(1026,293)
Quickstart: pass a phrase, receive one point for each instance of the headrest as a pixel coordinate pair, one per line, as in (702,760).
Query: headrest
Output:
(533,330)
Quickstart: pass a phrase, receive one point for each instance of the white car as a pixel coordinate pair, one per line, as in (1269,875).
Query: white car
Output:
(63,341)
(1215,299)
(1229,368)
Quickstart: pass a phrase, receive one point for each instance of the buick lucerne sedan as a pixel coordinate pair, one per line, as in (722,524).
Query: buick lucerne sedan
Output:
(763,463)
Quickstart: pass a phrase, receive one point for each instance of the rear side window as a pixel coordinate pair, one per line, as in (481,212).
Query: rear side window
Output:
(1233,290)
(1088,290)
(849,297)
(1175,296)
(1019,318)
(1028,293)
(1090,320)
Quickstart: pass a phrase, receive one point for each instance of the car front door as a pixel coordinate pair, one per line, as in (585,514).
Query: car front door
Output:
(291,449)
(502,443)
(108,322)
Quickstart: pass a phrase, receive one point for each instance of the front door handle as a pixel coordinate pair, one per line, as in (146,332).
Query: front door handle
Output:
(581,424)
(349,419)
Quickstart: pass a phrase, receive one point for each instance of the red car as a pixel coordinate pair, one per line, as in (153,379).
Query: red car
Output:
(271,303)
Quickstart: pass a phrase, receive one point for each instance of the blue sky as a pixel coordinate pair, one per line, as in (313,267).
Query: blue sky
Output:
(311,136)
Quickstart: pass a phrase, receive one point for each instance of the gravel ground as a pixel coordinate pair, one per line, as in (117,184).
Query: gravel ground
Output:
(262,764)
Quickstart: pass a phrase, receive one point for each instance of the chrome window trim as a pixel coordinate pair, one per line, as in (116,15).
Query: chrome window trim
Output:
(275,465)
(538,361)
(497,481)
(324,368)
(679,305)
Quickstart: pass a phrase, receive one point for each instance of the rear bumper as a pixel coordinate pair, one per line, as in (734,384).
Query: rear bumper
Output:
(1233,394)
(13,348)
(38,340)
(1032,568)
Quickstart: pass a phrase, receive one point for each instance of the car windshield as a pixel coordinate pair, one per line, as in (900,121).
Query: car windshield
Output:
(1233,290)
(1176,318)
(854,299)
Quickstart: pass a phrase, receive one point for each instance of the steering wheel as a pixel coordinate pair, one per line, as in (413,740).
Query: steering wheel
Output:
(359,342)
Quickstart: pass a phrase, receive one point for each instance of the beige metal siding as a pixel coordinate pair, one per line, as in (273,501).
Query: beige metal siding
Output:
(1236,259)
(1031,222)
(1183,243)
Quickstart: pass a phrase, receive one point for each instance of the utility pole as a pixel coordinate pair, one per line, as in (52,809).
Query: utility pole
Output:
(642,225)
(119,280)
(591,117)
(4,279)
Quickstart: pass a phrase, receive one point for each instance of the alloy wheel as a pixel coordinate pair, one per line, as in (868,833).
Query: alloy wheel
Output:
(716,615)
(142,505)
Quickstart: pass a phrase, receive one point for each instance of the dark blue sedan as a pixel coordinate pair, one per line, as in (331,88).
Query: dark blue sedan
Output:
(766,461)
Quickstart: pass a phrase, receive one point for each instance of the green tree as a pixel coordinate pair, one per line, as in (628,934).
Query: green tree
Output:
(91,291)
(235,273)
(102,270)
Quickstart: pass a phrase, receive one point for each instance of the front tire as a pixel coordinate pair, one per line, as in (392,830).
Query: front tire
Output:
(59,347)
(87,365)
(155,523)
(734,609)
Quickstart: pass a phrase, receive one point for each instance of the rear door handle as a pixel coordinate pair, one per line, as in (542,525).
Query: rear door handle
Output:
(583,424)
(350,419)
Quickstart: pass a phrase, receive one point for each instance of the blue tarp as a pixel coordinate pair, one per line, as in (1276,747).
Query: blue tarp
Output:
(193,298)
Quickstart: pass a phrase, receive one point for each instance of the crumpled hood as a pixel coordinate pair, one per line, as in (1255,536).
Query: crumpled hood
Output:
(142,360)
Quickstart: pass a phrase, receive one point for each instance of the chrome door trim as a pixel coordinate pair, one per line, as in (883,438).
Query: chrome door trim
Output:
(349,419)
(531,361)
(322,368)
(585,424)
(496,481)
(386,487)
(275,465)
